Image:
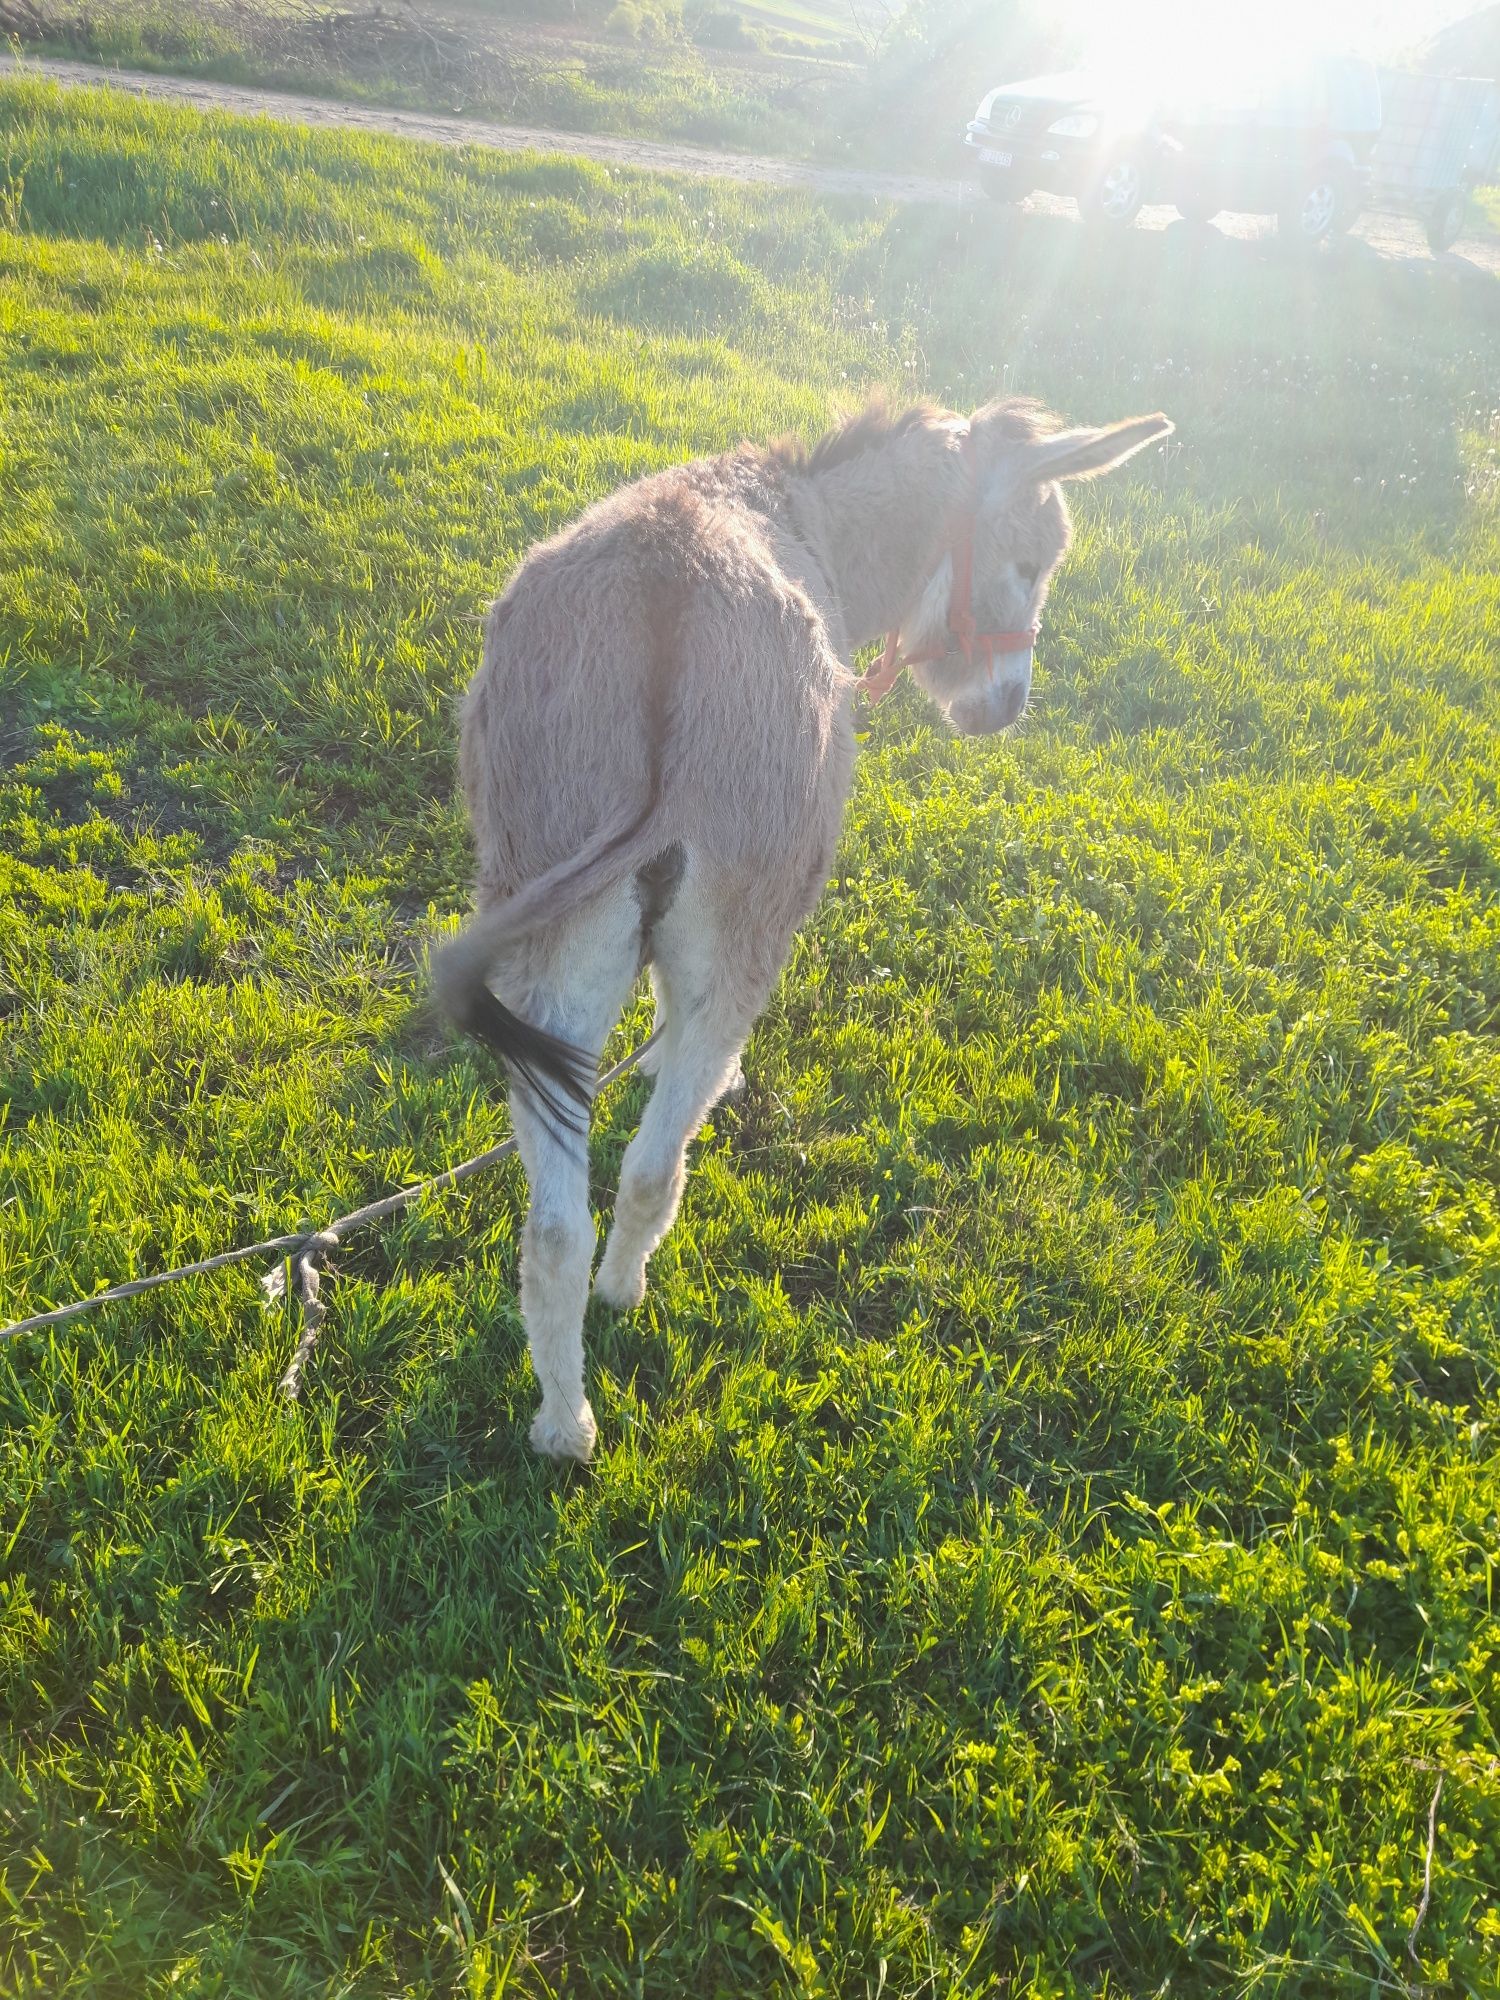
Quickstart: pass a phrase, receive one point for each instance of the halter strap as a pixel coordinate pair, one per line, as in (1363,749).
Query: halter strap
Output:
(883,676)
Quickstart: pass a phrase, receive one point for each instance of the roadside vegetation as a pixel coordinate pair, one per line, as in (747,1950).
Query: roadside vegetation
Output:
(637,69)
(1042,1540)
(872,83)
(867,82)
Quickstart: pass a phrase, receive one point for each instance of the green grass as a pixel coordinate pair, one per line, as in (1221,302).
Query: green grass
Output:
(813,21)
(1043,1536)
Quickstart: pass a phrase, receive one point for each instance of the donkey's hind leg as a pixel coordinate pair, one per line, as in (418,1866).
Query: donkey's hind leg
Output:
(709,991)
(577,994)
(650,1062)
(557,1249)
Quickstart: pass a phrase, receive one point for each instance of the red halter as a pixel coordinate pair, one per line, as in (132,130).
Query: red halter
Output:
(883,676)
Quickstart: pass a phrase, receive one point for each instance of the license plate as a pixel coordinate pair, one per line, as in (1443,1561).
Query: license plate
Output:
(992,158)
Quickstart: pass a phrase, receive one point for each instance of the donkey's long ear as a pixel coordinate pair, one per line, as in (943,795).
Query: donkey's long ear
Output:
(1081,454)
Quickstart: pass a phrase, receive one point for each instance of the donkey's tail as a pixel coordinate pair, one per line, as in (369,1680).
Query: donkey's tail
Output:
(559,1074)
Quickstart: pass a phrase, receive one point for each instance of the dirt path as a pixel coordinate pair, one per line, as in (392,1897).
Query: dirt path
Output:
(654,155)
(1388,236)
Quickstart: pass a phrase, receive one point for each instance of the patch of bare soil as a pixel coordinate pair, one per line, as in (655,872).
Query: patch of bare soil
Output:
(439,55)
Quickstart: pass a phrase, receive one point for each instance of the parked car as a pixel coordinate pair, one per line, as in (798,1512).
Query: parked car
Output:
(1295,143)
(1070,135)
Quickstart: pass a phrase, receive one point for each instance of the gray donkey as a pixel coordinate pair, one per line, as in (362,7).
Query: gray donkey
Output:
(656,750)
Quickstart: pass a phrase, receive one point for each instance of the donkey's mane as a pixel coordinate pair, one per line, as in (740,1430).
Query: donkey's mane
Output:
(876,424)
(1016,418)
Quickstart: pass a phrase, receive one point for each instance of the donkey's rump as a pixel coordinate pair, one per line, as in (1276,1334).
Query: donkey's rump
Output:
(648,663)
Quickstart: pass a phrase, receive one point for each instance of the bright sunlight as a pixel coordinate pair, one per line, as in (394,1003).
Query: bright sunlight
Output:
(1188,36)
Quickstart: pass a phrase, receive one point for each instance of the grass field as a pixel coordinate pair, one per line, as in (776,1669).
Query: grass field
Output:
(1043,1536)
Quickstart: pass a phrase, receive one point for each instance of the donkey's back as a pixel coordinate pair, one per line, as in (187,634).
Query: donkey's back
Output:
(658,668)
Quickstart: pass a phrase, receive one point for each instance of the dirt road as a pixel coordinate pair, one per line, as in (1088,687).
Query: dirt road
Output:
(1389,236)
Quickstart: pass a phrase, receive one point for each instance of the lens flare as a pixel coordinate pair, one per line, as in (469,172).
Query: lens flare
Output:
(1188,45)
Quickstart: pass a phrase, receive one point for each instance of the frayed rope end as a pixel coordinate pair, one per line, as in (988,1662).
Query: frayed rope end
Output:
(309,1276)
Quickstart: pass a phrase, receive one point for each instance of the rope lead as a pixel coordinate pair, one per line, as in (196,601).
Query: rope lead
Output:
(304,1253)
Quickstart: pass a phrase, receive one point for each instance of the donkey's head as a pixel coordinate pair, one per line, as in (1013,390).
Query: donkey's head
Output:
(971,635)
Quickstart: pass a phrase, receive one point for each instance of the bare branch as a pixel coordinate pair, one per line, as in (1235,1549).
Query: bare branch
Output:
(1411,1936)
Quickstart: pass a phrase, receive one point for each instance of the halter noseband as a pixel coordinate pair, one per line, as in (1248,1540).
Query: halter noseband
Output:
(883,676)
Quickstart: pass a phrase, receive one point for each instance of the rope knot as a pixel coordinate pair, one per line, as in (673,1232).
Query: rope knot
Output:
(323,1241)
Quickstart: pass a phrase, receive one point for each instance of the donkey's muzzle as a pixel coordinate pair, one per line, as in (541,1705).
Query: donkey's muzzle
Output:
(993,708)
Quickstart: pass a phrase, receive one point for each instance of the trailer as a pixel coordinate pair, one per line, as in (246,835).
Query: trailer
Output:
(1439,139)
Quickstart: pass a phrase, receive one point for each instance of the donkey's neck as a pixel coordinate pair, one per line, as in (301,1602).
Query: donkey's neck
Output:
(881,518)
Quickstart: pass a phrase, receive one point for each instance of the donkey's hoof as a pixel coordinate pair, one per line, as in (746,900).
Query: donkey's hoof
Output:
(565,1434)
(620,1289)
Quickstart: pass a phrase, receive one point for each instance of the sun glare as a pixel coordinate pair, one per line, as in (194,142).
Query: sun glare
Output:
(1188,43)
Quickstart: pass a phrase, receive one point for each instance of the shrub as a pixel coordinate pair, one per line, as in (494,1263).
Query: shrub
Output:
(724,28)
(644,20)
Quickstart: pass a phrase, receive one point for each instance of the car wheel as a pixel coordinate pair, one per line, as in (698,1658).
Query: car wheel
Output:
(1445,221)
(1117,194)
(1322,206)
(1002,183)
